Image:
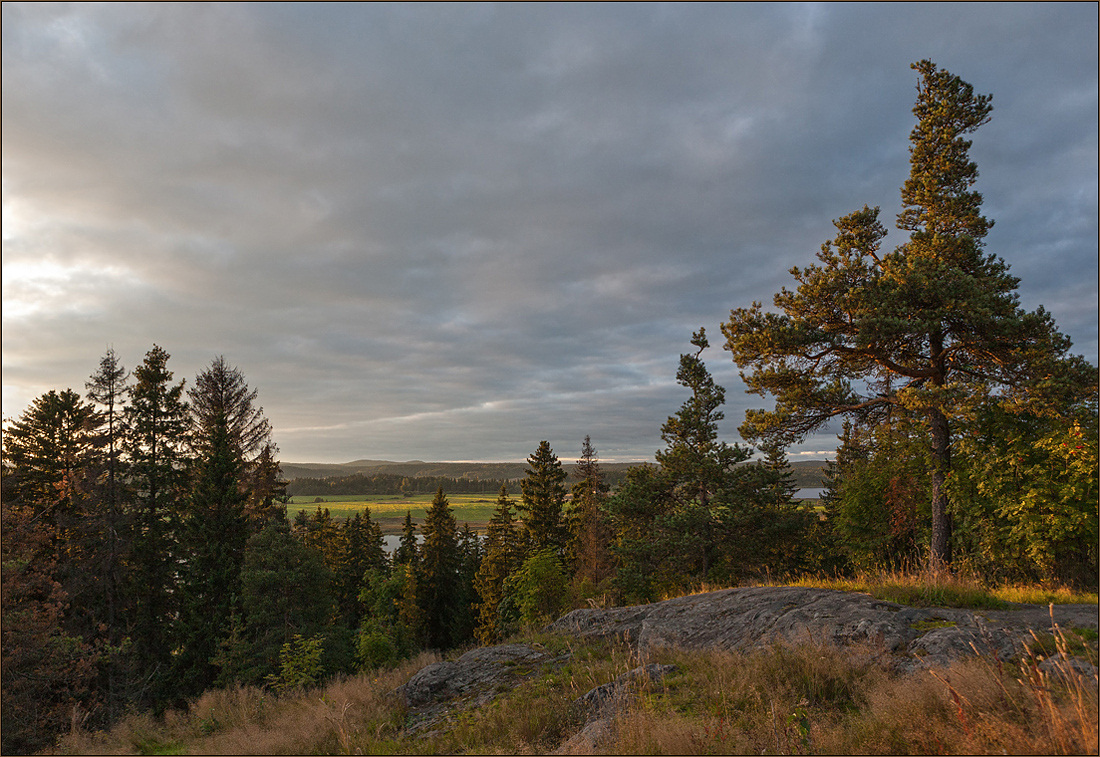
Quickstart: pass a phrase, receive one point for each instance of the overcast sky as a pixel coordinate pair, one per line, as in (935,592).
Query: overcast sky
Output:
(447,232)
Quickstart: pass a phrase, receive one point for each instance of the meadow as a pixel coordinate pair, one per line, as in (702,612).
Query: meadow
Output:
(388,510)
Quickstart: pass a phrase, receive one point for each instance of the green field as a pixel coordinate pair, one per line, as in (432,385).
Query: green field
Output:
(389,510)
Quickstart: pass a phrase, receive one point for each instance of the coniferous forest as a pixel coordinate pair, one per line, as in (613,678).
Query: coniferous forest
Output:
(148,557)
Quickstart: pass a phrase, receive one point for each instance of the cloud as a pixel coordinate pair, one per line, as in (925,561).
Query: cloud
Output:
(450,232)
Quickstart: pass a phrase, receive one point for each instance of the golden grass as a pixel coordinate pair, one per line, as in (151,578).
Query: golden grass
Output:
(921,588)
(788,699)
(348,714)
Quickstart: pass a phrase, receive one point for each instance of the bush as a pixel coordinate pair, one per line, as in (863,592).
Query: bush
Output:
(538,591)
(376,648)
(299,663)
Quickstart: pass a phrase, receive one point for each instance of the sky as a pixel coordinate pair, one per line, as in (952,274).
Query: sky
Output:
(447,232)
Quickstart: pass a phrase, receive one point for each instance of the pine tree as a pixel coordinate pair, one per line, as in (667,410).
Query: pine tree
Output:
(543,500)
(696,464)
(933,330)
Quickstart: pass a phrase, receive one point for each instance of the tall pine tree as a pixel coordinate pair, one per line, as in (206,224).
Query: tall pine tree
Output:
(932,330)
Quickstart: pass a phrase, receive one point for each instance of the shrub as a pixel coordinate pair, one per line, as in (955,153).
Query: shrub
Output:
(299,663)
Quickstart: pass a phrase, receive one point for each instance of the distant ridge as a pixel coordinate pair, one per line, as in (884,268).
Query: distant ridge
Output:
(807,473)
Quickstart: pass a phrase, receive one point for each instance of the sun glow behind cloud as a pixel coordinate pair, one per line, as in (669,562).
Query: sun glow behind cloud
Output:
(46,286)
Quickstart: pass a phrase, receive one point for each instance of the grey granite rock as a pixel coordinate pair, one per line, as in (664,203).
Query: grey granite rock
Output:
(745,618)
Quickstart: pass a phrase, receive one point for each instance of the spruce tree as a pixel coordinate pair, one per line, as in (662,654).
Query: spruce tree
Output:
(438,589)
(408,551)
(52,441)
(155,442)
(543,500)
(107,387)
(285,590)
(362,550)
(502,557)
(591,536)
(222,396)
(214,538)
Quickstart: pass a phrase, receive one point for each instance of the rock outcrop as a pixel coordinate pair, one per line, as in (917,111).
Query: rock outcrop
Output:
(744,618)
(733,619)
(599,707)
(471,680)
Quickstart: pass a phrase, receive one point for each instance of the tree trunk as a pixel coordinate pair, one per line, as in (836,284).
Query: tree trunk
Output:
(940,553)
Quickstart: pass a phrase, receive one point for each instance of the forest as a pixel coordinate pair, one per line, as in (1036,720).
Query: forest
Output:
(147,555)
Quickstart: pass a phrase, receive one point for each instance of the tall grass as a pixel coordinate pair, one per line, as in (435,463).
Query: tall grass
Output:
(786,699)
(921,588)
(354,713)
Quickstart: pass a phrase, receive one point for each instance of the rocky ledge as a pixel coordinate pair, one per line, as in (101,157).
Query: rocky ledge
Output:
(736,619)
(739,619)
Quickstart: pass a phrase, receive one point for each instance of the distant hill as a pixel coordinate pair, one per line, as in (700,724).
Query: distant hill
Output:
(807,473)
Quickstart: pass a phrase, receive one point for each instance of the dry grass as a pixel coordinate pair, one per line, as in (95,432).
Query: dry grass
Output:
(359,714)
(921,588)
(786,699)
(812,700)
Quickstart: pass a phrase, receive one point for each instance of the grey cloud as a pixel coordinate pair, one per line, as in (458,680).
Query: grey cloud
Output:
(498,223)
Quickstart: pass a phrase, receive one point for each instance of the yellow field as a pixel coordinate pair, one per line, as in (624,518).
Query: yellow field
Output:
(389,509)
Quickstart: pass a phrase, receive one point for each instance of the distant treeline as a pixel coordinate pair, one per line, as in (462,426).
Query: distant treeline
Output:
(389,483)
